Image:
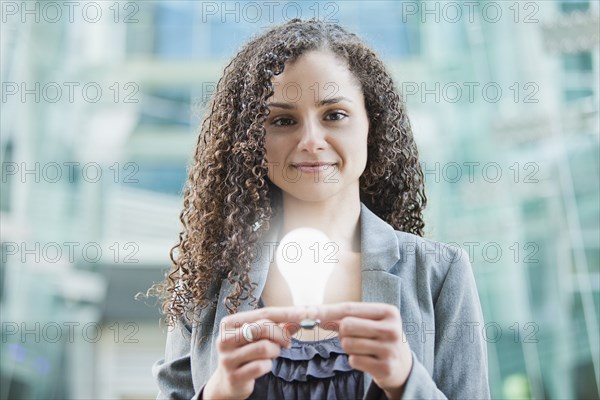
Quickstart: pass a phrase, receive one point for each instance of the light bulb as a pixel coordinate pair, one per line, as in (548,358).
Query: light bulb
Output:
(303,259)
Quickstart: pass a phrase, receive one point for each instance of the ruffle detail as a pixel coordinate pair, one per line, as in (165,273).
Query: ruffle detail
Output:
(305,360)
(302,350)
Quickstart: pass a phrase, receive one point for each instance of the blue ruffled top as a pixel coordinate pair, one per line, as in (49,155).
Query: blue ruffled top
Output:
(310,370)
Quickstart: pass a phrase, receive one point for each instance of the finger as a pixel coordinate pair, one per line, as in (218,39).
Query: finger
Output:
(275,314)
(373,311)
(261,350)
(371,365)
(252,370)
(366,328)
(365,347)
(330,325)
(289,329)
(261,329)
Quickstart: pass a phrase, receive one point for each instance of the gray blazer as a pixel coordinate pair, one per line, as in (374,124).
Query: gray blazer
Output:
(431,283)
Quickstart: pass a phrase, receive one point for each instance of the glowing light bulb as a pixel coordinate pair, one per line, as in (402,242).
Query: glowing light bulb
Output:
(303,259)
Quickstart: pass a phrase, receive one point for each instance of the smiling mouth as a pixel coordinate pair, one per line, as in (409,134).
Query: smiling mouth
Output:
(313,167)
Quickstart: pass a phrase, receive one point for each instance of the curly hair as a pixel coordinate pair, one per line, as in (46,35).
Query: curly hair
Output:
(228,193)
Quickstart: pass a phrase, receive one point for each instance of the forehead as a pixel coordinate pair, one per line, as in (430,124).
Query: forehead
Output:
(318,73)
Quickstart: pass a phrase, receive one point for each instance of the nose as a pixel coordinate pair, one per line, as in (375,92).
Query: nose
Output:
(312,138)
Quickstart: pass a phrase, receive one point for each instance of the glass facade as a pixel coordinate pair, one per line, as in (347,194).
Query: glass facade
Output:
(101,103)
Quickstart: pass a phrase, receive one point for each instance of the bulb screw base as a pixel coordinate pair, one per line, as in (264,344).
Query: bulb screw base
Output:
(309,323)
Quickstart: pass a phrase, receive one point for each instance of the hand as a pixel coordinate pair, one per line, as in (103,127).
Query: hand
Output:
(241,362)
(372,335)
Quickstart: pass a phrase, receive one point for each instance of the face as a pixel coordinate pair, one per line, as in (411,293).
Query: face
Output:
(316,143)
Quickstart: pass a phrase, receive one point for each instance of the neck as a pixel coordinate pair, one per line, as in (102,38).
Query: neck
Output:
(339,220)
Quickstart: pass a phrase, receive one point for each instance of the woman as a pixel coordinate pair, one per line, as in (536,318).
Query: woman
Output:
(306,129)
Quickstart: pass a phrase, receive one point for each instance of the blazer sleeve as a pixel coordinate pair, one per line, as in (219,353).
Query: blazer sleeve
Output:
(460,368)
(173,373)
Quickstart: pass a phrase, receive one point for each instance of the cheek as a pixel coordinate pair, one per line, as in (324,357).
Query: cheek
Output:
(361,150)
(269,149)
(276,147)
(274,155)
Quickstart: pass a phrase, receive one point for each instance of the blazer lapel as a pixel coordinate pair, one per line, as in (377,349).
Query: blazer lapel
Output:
(380,252)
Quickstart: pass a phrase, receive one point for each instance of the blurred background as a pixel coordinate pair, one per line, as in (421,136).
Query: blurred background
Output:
(101,102)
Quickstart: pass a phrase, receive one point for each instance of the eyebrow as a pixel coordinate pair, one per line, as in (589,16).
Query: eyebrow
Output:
(292,106)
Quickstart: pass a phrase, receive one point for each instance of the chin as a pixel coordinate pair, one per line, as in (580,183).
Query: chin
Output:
(312,196)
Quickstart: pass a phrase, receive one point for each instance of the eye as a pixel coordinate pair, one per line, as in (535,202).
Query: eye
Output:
(282,121)
(336,116)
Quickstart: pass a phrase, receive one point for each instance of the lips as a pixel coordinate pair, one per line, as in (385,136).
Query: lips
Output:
(313,167)
(312,164)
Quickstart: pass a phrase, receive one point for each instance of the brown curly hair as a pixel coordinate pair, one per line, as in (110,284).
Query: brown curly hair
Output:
(228,193)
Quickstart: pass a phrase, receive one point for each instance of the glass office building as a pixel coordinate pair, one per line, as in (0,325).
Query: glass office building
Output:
(101,103)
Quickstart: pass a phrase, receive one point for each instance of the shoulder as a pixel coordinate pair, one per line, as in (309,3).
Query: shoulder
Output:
(431,264)
(429,251)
